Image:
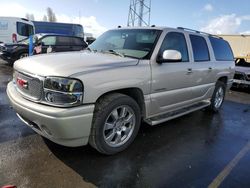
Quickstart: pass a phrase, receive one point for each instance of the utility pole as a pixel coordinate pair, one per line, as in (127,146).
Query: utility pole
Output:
(139,12)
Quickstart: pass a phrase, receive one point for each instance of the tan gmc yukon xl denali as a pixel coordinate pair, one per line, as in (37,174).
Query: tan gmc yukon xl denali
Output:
(128,75)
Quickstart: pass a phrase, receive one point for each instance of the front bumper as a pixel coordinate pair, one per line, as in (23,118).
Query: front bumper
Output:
(64,126)
(6,56)
(241,83)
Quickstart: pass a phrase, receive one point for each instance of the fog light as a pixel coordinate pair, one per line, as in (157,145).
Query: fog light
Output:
(61,98)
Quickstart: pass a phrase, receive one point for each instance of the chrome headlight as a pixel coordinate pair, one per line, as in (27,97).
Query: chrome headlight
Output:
(63,92)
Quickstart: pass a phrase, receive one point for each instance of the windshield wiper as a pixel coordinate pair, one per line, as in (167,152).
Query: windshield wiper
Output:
(113,52)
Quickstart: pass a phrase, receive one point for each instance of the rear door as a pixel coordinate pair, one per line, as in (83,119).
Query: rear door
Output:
(203,73)
(78,44)
(64,44)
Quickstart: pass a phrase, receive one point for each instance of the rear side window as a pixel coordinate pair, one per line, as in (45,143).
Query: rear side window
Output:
(175,41)
(200,49)
(77,41)
(222,49)
(66,41)
(49,41)
(24,29)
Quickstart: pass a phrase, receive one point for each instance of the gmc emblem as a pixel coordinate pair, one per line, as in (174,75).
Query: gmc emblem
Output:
(23,83)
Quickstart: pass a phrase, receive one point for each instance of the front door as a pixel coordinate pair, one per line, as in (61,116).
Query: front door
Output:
(171,81)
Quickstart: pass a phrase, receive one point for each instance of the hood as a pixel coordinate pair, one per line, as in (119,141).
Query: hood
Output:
(245,70)
(71,63)
(11,45)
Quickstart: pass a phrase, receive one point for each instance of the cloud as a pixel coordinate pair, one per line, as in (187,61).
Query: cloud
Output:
(89,23)
(17,10)
(225,24)
(208,7)
(245,33)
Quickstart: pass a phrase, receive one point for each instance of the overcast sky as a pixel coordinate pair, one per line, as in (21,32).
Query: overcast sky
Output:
(217,17)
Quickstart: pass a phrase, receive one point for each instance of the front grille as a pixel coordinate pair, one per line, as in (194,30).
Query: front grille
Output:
(2,48)
(248,77)
(239,76)
(33,86)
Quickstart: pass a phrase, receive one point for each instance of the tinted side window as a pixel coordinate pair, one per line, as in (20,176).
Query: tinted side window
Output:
(77,41)
(222,49)
(66,41)
(175,41)
(200,49)
(49,41)
(24,29)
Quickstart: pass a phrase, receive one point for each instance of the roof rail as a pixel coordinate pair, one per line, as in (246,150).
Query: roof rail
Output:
(25,19)
(200,32)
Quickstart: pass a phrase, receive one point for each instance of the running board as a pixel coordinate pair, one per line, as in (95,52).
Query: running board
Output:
(174,114)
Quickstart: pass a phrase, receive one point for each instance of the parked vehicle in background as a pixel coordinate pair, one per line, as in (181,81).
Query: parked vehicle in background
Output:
(241,47)
(53,42)
(89,38)
(59,28)
(242,74)
(100,96)
(13,29)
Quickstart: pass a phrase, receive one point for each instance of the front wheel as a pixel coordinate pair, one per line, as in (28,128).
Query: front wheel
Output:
(115,123)
(218,96)
(23,55)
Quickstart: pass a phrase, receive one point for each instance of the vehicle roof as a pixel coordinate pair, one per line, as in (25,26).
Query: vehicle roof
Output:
(163,28)
(15,18)
(54,34)
(57,23)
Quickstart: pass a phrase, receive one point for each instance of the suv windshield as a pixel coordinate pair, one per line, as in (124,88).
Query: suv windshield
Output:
(27,40)
(135,43)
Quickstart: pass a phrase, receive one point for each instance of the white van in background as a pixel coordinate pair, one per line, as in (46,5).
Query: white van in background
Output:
(14,29)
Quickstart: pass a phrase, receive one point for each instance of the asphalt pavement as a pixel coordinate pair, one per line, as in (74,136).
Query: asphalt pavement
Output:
(197,150)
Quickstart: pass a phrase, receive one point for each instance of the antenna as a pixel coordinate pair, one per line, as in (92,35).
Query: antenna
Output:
(139,11)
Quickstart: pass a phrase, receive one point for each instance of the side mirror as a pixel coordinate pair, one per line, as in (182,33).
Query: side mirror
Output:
(36,40)
(169,56)
(90,40)
(40,43)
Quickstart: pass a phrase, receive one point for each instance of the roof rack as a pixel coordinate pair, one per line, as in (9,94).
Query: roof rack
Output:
(199,32)
(25,19)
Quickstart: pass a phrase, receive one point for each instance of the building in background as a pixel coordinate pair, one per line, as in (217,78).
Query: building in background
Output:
(240,45)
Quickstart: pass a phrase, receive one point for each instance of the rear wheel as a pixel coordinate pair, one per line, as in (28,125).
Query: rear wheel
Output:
(115,123)
(218,96)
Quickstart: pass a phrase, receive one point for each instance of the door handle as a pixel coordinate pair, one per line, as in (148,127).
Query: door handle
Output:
(210,69)
(189,71)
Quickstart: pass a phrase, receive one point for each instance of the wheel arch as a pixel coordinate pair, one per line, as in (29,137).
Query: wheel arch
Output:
(223,79)
(134,93)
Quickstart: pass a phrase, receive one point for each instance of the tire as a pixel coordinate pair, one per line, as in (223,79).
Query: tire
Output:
(23,55)
(115,124)
(218,97)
